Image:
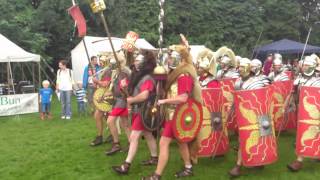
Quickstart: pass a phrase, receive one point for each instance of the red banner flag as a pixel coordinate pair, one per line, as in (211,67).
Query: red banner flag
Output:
(77,16)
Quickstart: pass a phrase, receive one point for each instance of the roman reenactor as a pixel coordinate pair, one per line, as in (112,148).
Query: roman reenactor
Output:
(308,133)
(256,133)
(183,110)
(141,90)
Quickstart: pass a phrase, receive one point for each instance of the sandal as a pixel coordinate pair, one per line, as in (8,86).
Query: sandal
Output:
(97,141)
(184,172)
(150,162)
(108,139)
(122,169)
(115,148)
(154,176)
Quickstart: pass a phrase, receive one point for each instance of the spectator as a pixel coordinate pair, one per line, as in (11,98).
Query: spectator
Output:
(64,87)
(81,98)
(45,100)
(88,74)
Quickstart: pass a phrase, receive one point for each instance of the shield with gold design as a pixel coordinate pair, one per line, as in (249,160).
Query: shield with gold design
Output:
(187,120)
(228,114)
(308,129)
(213,134)
(257,139)
(280,114)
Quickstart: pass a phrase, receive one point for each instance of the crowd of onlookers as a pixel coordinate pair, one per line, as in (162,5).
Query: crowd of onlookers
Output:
(65,87)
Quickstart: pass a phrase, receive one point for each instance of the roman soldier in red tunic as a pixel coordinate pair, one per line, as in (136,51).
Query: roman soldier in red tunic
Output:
(141,90)
(308,131)
(257,140)
(182,85)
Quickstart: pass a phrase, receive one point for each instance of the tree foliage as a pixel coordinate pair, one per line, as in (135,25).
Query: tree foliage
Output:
(48,30)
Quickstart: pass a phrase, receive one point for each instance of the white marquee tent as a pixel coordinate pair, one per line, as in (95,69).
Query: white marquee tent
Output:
(92,46)
(10,52)
(12,104)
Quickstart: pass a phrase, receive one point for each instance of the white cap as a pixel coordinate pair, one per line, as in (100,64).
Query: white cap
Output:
(256,62)
(277,61)
(278,56)
(308,60)
(245,62)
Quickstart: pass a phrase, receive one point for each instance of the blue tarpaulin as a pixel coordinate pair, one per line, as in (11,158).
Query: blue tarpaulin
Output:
(285,46)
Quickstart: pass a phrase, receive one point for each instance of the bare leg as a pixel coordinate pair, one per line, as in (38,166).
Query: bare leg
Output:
(152,143)
(164,154)
(239,159)
(113,129)
(134,143)
(185,154)
(98,116)
(125,126)
(300,158)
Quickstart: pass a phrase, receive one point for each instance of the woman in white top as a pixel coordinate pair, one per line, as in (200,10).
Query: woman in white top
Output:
(64,86)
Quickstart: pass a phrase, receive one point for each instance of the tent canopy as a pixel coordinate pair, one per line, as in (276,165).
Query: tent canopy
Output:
(95,46)
(10,52)
(286,46)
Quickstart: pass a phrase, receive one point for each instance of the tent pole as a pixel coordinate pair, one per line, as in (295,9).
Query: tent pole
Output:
(8,74)
(86,49)
(33,74)
(11,77)
(39,75)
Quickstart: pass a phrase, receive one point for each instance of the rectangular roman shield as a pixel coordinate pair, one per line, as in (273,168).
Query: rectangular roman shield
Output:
(213,134)
(257,139)
(282,116)
(308,131)
(227,86)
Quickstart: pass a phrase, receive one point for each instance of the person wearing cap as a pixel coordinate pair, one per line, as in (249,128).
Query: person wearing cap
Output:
(306,78)
(248,80)
(141,87)
(181,84)
(278,72)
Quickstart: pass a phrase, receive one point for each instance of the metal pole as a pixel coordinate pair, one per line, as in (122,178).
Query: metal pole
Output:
(103,18)
(305,45)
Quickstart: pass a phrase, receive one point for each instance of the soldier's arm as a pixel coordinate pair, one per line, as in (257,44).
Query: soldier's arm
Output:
(138,98)
(176,100)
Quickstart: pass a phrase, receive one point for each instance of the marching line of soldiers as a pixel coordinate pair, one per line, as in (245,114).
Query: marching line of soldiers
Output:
(199,103)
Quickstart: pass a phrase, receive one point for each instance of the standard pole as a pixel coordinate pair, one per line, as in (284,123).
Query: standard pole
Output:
(103,18)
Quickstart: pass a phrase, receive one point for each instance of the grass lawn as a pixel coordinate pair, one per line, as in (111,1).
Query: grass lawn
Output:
(59,149)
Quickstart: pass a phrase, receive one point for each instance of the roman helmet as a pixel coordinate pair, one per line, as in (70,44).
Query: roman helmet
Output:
(226,57)
(179,54)
(206,61)
(255,66)
(309,65)
(244,67)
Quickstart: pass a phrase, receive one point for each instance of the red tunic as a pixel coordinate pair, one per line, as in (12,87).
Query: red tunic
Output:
(185,85)
(117,111)
(137,124)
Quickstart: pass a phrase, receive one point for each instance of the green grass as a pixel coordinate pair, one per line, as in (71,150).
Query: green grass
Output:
(58,149)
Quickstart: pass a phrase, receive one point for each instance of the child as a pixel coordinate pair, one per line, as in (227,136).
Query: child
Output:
(81,98)
(45,99)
